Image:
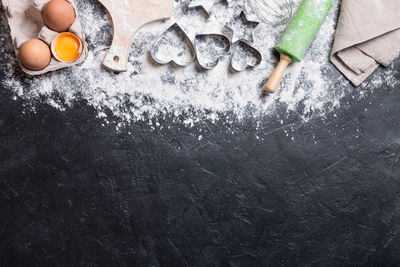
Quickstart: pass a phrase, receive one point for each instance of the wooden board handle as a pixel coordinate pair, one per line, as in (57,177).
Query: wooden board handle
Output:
(118,55)
(128,16)
(276,77)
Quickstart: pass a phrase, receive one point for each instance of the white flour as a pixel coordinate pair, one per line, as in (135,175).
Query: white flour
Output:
(149,90)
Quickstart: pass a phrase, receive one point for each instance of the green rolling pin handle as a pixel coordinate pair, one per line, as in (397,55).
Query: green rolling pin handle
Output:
(276,77)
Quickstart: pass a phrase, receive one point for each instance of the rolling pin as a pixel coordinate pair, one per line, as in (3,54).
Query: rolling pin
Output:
(298,37)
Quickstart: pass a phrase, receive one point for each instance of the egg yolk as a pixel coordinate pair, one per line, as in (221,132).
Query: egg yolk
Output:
(67,47)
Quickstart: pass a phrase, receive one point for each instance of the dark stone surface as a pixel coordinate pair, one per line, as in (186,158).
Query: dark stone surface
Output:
(76,193)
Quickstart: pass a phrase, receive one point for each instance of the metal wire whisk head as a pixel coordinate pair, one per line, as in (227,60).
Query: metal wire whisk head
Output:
(273,12)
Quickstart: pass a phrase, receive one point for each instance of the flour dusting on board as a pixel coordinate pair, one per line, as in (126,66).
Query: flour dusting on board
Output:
(148,90)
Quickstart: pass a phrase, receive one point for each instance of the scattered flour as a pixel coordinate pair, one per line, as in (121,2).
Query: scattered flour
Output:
(312,87)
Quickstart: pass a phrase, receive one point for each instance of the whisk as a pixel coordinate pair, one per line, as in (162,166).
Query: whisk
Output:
(274,12)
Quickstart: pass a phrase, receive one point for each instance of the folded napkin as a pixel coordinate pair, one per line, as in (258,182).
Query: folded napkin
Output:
(367,35)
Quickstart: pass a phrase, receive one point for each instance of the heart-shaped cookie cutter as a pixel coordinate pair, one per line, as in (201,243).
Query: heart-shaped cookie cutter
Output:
(157,55)
(224,44)
(239,62)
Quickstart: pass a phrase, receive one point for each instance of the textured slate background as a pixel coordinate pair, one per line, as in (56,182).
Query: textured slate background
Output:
(76,193)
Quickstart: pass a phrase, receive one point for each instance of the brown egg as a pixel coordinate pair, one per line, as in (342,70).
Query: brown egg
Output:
(58,15)
(34,54)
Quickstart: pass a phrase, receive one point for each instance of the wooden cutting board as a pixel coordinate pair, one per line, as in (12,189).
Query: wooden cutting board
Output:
(128,16)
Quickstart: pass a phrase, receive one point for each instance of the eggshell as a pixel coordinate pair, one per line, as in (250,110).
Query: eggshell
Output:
(58,15)
(34,54)
(21,13)
(77,49)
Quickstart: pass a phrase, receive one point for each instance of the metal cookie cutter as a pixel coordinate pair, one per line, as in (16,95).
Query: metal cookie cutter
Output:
(210,48)
(206,5)
(245,56)
(244,30)
(249,7)
(173,46)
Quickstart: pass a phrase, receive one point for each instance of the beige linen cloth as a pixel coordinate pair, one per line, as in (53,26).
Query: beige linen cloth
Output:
(367,34)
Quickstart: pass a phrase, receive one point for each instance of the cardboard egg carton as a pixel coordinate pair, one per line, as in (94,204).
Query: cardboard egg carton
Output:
(26,22)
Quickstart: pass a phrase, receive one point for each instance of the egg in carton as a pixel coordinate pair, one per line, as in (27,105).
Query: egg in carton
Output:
(25,19)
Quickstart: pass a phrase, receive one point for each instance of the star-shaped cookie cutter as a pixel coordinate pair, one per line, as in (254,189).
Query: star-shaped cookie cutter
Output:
(206,5)
(248,34)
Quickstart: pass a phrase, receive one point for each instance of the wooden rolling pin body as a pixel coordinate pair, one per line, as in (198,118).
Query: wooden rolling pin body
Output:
(298,37)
